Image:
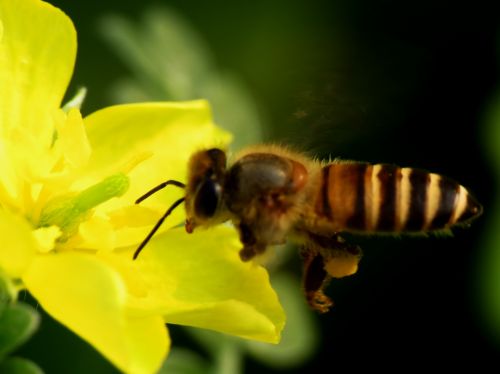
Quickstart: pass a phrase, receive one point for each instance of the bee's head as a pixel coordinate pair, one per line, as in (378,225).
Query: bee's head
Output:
(206,173)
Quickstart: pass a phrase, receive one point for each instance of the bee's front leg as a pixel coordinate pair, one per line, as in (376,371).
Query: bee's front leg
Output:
(251,247)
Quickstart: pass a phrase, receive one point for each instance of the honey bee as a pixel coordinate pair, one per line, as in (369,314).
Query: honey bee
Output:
(272,194)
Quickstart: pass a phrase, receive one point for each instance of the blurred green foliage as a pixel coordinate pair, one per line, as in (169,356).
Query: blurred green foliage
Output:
(489,265)
(170,61)
(185,361)
(18,322)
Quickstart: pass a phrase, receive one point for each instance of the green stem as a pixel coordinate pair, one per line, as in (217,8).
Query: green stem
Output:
(228,359)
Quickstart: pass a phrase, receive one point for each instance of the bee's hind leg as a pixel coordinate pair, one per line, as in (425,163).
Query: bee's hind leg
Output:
(314,280)
(326,258)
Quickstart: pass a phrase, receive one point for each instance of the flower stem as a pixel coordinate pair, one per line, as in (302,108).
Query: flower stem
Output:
(228,359)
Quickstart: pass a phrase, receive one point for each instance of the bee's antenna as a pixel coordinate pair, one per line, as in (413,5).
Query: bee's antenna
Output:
(160,187)
(160,221)
(167,213)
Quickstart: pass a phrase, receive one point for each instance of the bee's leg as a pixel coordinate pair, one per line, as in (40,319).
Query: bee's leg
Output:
(251,247)
(326,258)
(314,280)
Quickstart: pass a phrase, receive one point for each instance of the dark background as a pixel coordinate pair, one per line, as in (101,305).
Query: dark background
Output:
(403,82)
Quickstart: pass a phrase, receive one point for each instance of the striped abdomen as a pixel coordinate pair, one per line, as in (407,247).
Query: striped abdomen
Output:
(386,198)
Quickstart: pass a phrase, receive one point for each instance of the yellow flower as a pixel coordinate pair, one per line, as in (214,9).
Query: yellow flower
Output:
(67,219)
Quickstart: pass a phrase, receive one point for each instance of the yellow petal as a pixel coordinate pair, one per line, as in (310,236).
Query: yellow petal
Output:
(37,53)
(73,139)
(132,224)
(89,298)
(169,132)
(233,317)
(18,245)
(97,233)
(120,131)
(9,182)
(46,237)
(199,280)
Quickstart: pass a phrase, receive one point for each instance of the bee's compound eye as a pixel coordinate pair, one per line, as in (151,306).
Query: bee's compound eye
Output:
(207,199)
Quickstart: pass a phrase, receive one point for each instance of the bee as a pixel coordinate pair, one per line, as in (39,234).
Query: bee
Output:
(272,195)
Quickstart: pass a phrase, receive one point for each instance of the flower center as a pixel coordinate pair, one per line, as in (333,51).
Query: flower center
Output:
(67,212)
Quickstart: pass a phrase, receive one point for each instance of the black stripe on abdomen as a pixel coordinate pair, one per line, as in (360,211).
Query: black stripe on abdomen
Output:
(387,212)
(419,183)
(447,201)
(357,221)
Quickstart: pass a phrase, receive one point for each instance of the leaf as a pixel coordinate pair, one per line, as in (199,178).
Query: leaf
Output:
(163,52)
(170,61)
(17,323)
(18,365)
(5,297)
(234,108)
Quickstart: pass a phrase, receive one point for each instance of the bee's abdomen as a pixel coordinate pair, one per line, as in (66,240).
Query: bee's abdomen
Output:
(386,198)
